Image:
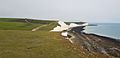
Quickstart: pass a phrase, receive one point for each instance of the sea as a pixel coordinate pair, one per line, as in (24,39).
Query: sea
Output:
(105,29)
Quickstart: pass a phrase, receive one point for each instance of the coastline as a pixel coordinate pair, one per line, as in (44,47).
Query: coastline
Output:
(97,44)
(105,29)
(103,35)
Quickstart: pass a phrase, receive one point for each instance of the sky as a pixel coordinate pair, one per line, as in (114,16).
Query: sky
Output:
(64,10)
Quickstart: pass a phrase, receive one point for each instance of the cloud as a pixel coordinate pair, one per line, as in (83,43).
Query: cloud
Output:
(66,10)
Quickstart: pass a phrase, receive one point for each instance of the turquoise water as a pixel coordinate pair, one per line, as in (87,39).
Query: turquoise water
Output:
(105,29)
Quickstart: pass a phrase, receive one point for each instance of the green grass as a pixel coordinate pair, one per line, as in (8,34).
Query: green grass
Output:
(28,44)
(23,20)
(17,26)
(18,41)
(8,19)
(20,24)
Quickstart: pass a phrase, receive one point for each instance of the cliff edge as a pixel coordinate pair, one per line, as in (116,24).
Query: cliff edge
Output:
(93,43)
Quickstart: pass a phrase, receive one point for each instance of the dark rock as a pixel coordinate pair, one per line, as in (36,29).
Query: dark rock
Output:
(95,43)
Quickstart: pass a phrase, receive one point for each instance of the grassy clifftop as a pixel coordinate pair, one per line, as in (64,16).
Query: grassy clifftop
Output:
(18,41)
(24,24)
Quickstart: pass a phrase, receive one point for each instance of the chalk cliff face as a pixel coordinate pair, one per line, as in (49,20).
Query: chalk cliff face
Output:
(91,43)
(95,43)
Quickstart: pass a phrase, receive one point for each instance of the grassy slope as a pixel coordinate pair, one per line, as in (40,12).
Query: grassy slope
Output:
(27,44)
(17,26)
(23,43)
(20,24)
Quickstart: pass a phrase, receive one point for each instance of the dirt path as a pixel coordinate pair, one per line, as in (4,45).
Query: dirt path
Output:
(38,27)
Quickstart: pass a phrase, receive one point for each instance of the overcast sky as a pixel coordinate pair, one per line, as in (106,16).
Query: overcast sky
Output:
(65,10)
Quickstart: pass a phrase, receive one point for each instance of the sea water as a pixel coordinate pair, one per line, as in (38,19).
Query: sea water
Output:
(105,29)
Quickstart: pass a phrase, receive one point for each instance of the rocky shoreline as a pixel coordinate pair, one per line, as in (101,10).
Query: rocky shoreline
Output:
(95,43)
(92,43)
